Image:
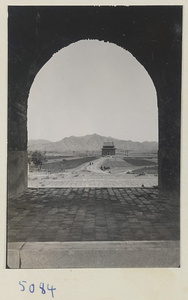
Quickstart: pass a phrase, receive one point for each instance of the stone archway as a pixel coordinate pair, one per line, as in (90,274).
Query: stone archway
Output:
(151,34)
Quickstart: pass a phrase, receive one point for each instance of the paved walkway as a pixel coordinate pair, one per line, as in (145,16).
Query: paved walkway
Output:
(93,214)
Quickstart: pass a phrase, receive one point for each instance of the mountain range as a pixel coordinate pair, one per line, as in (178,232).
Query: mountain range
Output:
(93,142)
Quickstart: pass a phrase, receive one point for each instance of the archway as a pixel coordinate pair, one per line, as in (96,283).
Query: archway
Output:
(52,28)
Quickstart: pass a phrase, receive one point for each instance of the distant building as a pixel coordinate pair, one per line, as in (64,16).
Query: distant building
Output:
(108,148)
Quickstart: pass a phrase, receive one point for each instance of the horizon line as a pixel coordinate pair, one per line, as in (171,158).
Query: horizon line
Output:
(81,136)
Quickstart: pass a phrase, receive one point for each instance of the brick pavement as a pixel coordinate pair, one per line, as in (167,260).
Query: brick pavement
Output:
(93,214)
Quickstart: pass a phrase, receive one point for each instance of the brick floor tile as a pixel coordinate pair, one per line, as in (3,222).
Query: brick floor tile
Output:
(114,213)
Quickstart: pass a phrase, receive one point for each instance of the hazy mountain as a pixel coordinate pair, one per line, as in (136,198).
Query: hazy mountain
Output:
(92,142)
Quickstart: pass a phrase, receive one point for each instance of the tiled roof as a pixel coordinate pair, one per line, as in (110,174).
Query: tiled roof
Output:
(108,144)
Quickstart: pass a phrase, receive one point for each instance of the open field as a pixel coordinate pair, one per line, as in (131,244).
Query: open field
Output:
(96,172)
(137,161)
(147,170)
(58,165)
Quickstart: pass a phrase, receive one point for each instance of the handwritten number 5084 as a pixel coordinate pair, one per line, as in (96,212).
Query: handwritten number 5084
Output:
(41,287)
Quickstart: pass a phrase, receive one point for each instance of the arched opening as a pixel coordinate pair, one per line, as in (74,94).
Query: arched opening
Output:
(152,34)
(87,94)
(51,29)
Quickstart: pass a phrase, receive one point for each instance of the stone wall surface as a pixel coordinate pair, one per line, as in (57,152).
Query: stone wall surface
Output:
(17,172)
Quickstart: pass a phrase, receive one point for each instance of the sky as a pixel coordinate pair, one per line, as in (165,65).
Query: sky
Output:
(93,87)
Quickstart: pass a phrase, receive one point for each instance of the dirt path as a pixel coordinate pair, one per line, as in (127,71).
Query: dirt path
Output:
(94,167)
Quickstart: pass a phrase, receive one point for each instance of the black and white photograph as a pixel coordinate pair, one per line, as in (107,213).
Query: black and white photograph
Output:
(94,136)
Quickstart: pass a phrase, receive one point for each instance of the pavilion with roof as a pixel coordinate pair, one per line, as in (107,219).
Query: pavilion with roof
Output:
(108,148)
